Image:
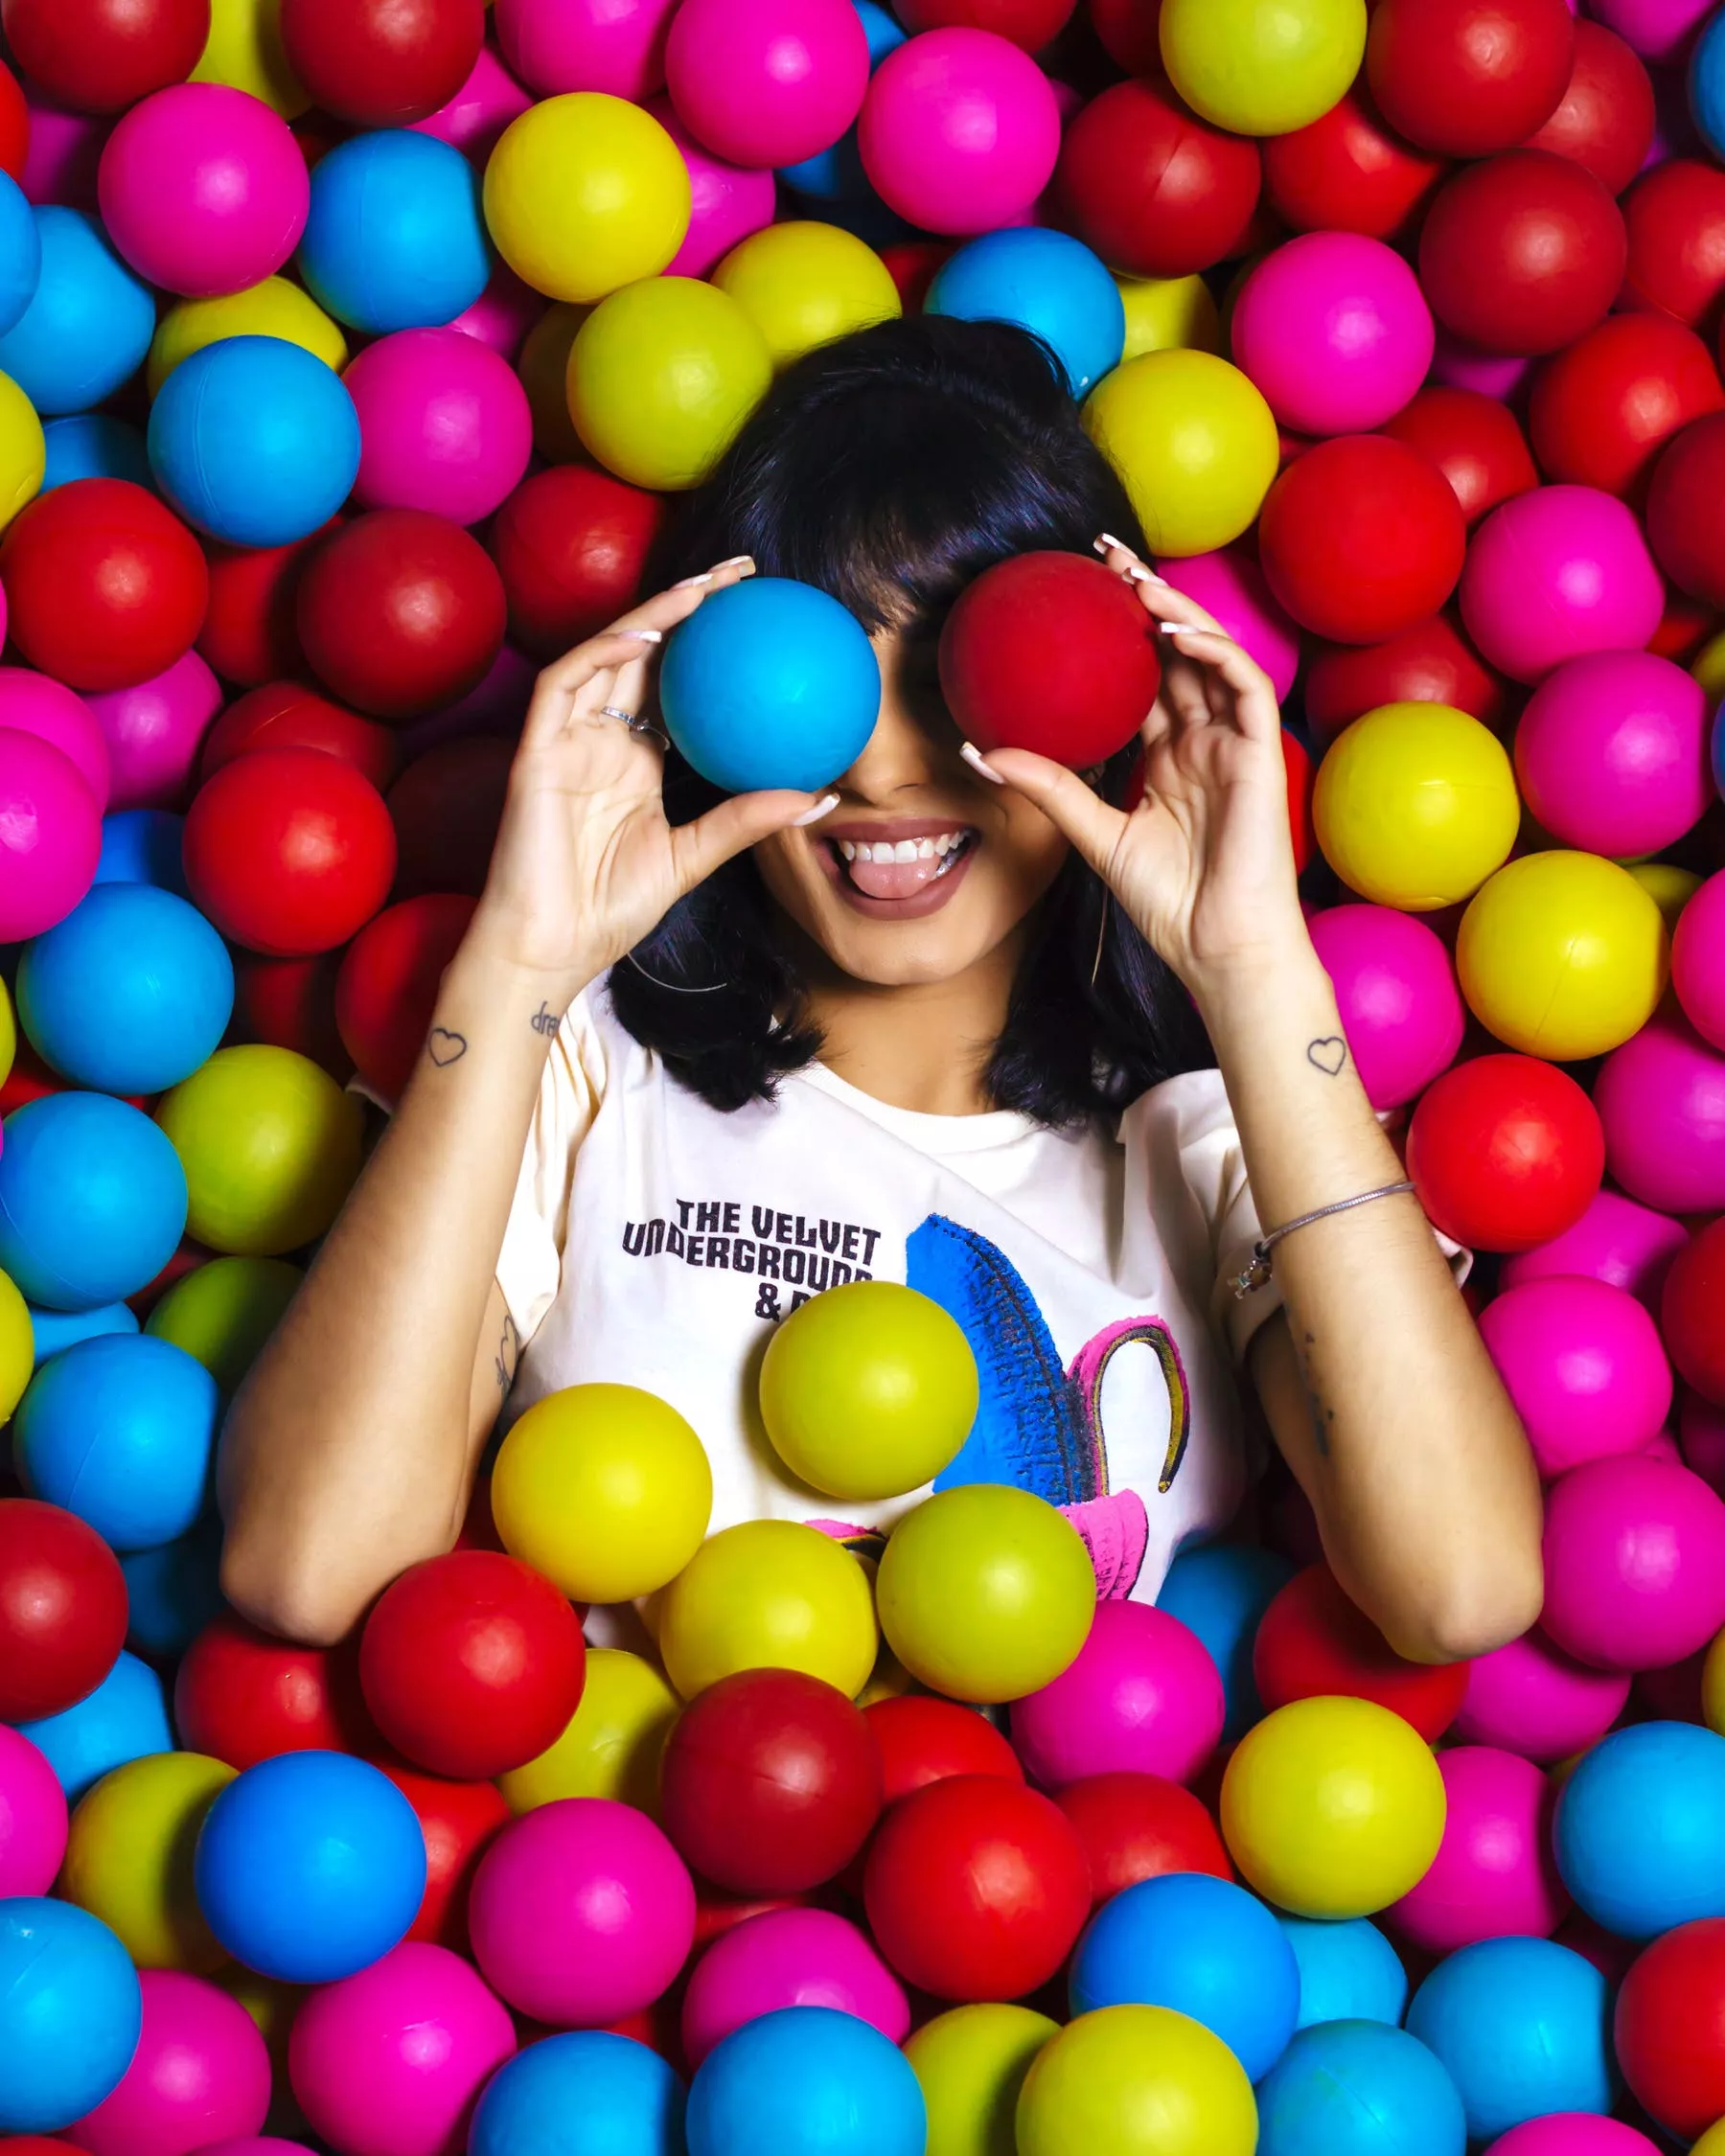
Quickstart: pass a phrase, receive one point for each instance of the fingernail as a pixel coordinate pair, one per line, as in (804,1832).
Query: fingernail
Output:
(1137,574)
(644,635)
(737,561)
(824,807)
(975,758)
(688,583)
(1178,628)
(1107,540)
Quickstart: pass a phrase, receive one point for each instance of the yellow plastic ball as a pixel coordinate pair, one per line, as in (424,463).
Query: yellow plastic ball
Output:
(613,1744)
(987,1592)
(1169,314)
(9,1033)
(271,1146)
(222,1313)
(971,2064)
(803,285)
(768,1594)
(869,1390)
(662,377)
(128,1857)
(543,367)
(1563,956)
(586,192)
(1137,2081)
(245,50)
(23,451)
(605,1489)
(273,308)
(1708,665)
(1416,805)
(1712,2141)
(1332,1807)
(1194,443)
(1262,67)
(17,1345)
(1669,888)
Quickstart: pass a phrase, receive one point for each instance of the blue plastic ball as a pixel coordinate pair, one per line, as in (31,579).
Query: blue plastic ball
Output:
(1640,1828)
(125,1718)
(92,1201)
(1355,2088)
(837,175)
(88,327)
(589,2094)
(174,1591)
(55,1330)
(129,993)
(1220,1591)
(20,253)
(94,445)
(255,441)
(1523,2027)
(1348,1971)
(122,1431)
(1204,1947)
(143,846)
(1045,282)
(310,1867)
(771,684)
(71,2013)
(395,237)
(806,2081)
(1706,84)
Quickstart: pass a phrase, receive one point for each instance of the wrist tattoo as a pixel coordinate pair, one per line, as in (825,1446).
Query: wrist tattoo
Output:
(509,1355)
(1322,1416)
(445,1047)
(1328,1054)
(544,1021)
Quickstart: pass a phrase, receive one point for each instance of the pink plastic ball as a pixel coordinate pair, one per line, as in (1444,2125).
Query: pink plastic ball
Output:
(1230,587)
(1459,365)
(64,154)
(1584,1366)
(255,2144)
(1530,1698)
(582,1913)
(50,835)
(34,704)
(959,131)
(1661,1099)
(617,46)
(445,424)
(480,110)
(1493,1873)
(203,190)
(1698,960)
(1335,331)
(1572,2133)
(726,202)
(32,1818)
(1701,1439)
(200,2074)
(154,732)
(1143,1697)
(503,314)
(1611,753)
(1617,1241)
(1557,573)
(1395,989)
(767,82)
(789,1958)
(1634,1563)
(1658,30)
(388,2062)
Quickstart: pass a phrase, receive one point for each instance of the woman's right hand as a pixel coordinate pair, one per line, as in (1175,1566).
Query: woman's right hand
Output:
(586,863)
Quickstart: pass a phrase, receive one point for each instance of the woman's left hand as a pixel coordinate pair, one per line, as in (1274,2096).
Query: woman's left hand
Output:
(1204,864)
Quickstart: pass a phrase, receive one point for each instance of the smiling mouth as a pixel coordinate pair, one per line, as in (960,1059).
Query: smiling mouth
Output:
(897,870)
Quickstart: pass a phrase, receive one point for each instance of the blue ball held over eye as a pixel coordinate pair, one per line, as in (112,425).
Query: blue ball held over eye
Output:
(1356,2088)
(1048,282)
(771,684)
(70,2014)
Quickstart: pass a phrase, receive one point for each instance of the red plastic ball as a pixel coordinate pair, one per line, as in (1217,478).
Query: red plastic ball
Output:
(770,1783)
(242,1696)
(913,264)
(62,1610)
(400,613)
(1675,220)
(1050,652)
(1313,1642)
(1522,254)
(289,851)
(1432,662)
(383,63)
(1602,410)
(101,56)
(1141,1827)
(1349,172)
(1605,118)
(387,987)
(1361,538)
(471,1665)
(1030,24)
(290,715)
(1156,190)
(1669,2027)
(291,1004)
(922,1739)
(1302,781)
(447,806)
(1505,1151)
(571,547)
(1685,510)
(459,1821)
(976,1888)
(106,587)
(249,634)
(1691,1312)
(1474,441)
(15,125)
(1130,33)
(1468,77)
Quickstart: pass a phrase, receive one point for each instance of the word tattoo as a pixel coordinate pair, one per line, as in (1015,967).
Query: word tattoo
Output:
(445,1047)
(509,1355)
(1322,1416)
(544,1021)
(1328,1054)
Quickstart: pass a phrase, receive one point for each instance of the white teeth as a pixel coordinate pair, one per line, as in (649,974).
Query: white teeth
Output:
(941,847)
(905,850)
(924,849)
(847,849)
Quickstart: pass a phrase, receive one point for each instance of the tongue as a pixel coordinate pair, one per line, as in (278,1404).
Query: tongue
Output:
(892,879)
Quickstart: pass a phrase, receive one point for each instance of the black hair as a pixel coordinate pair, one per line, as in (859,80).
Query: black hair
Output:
(890,468)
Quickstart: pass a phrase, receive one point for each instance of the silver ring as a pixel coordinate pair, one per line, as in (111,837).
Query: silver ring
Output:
(635,722)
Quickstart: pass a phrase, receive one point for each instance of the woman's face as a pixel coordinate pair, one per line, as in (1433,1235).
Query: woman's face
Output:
(924,868)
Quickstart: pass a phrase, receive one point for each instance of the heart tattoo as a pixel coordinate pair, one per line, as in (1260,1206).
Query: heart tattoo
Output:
(445,1047)
(1327,1055)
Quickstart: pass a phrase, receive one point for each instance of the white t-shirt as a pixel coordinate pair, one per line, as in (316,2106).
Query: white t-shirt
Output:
(655,1241)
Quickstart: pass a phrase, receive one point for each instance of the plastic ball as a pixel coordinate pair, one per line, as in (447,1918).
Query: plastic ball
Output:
(580,1912)
(1137,1827)
(1415,806)
(244,1697)
(1507,1153)
(1689,1312)
(272,308)
(249,634)
(1583,1365)
(1675,216)
(1521,2025)
(290,714)
(458,1819)
(1138,2082)
(1396,990)
(726,202)
(1346,171)
(1558,573)
(1522,254)
(613,1744)
(1610,754)
(50,835)
(959,131)
(33,1818)
(922,1740)
(1332,328)
(1634,1547)
(1348,1971)
(806,2081)
(1617,1241)
(1258,70)
(92,1201)
(1314,1642)
(245,50)
(1048,284)
(767,82)
(30,703)
(70,2014)
(93,446)
(444,421)
(1353,2088)
(769,1593)
(378,63)
(62,1610)
(387,987)
(1153,190)
(789,1958)
(1229,586)
(1141,1696)
(1193,442)
(1661,1098)
(172,1590)
(1603,411)
(125,1718)
(89,323)
(20,254)
(975,1888)
(100,56)
(128,1860)
(1220,1591)
(447,808)
(1467,78)
(553,49)
(1683,524)
(1493,1873)
(1695,969)
(1666,2028)
(970,2063)
(1664,1781)
(804,285)
(571,546)
(153,732)
(395,239)
(269,1145)
(1474,441)
(626,2100)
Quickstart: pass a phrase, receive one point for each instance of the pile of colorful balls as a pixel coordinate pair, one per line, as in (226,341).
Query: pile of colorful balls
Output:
(352,355)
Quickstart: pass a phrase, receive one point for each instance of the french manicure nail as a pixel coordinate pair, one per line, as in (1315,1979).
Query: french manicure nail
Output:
(738,561)
(1178,628)
(688,583)
(824,807)
(1137,573)
(644,635)
(975,758)
(1107,540)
